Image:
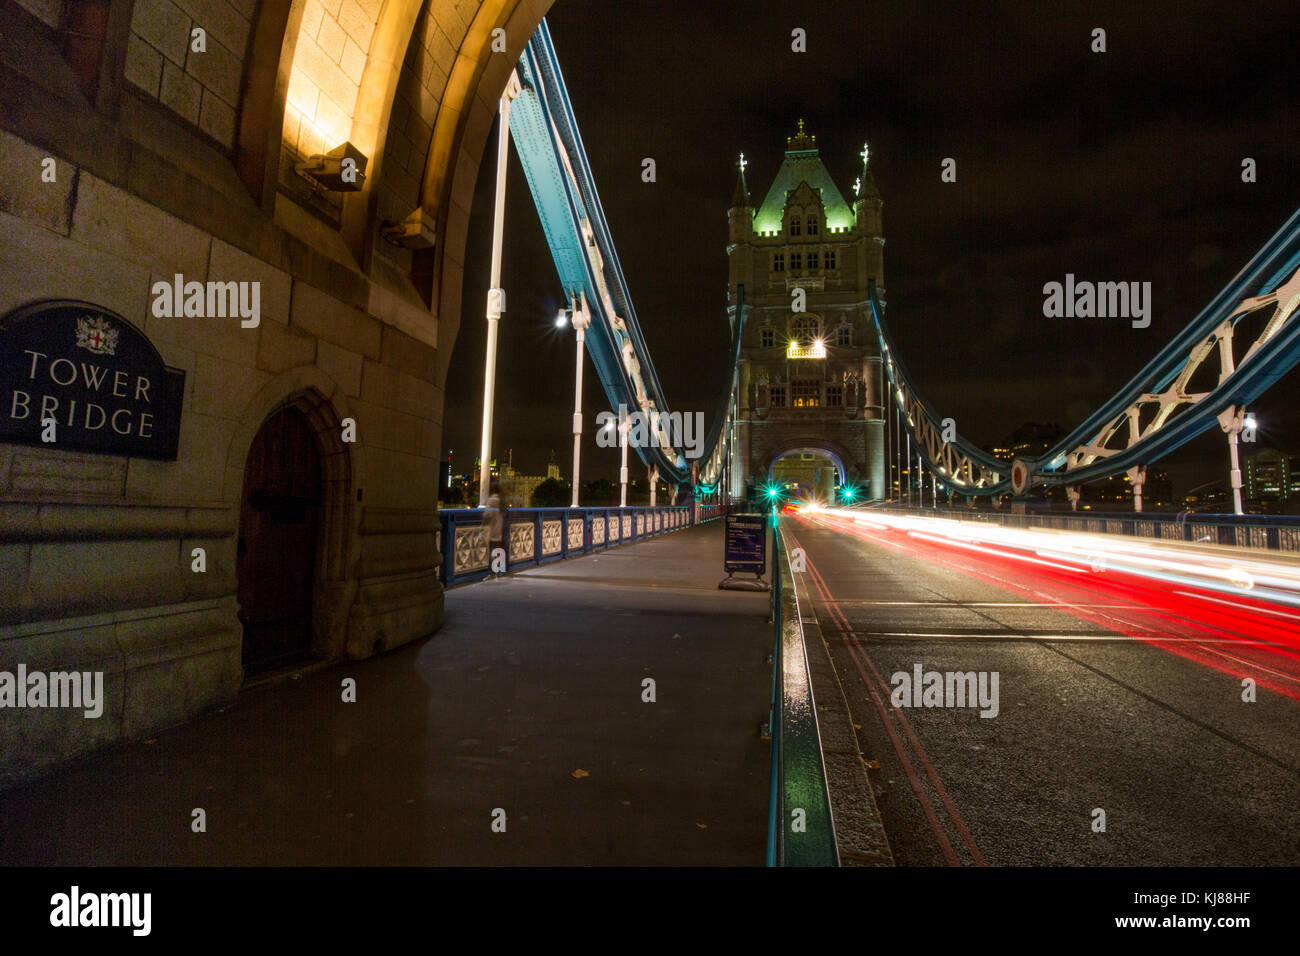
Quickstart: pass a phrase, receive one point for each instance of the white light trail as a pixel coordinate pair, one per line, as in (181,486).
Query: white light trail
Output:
(1233,574)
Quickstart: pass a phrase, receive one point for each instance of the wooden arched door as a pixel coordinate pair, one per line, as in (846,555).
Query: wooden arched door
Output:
(276,551)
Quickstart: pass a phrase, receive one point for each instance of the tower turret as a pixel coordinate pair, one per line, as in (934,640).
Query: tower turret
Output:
(867,204)
(740,215)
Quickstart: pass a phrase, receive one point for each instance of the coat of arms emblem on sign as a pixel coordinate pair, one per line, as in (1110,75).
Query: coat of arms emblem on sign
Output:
(96,334)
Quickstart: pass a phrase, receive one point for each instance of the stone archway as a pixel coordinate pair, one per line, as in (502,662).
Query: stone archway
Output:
(817,447)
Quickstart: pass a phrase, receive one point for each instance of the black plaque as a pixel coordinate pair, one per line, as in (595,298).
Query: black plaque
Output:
(746,543)
(95,374)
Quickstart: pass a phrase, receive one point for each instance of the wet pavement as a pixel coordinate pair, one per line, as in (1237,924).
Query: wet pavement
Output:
(526,709)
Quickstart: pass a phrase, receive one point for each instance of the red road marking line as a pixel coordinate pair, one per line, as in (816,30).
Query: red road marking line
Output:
(855,649)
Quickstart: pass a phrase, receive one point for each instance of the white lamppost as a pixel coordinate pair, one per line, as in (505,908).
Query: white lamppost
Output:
(654,482)
(623,428)
(496,297)
(1232,420)
(581,319)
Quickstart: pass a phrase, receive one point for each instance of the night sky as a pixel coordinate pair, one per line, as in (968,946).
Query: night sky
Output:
(1120,166)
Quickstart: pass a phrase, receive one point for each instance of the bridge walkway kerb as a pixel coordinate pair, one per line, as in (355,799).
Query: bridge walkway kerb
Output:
(859,835)
(859,831)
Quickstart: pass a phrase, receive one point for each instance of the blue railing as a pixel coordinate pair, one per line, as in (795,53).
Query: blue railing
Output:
(710,512)
(535,536)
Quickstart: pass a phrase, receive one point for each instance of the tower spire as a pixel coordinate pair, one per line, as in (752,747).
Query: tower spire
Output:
(740,195)
(865,186)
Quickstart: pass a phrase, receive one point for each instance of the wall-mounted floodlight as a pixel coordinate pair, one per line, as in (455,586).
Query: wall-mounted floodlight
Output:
(342,169)
(416,231)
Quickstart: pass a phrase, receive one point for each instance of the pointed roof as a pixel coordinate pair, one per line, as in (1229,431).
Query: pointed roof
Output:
(802,164)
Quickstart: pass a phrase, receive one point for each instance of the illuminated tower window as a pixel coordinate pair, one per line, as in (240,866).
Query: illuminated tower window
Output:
(806,394)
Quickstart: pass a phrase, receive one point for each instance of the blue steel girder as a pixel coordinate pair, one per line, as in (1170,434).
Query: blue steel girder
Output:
(551,152)
(1115,437)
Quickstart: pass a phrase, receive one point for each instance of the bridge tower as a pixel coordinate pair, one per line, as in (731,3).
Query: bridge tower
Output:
(809,378)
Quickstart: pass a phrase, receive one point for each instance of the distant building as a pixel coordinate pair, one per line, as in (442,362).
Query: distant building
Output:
(1028,441)
(1113,492)
(517,490)
(1271,477)
(1214,497)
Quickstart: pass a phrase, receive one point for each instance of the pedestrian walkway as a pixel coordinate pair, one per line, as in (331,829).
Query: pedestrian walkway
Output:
(526,707)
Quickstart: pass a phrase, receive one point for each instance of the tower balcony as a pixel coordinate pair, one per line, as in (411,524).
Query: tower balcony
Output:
(806,350)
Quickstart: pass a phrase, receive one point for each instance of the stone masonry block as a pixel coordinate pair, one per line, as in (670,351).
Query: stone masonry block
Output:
(280,348)
(325,73)
(220,20)
(358,24)
(228,263)
(321,314)
(36,264)
(181,93)
(217,119)
(23,191)
(164,25)
(331,39)
(112,220)
(143,65)
(218,69)
(342,366)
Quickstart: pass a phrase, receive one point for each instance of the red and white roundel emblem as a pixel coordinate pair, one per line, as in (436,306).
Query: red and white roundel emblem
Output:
(1019,477)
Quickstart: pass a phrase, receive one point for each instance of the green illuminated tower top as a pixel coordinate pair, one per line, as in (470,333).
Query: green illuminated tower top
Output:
(802,164)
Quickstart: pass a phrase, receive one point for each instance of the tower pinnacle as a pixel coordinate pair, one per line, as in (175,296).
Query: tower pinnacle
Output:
(740,196)
(800,141)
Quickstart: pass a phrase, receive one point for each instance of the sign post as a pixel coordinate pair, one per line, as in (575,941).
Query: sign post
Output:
(746,550)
